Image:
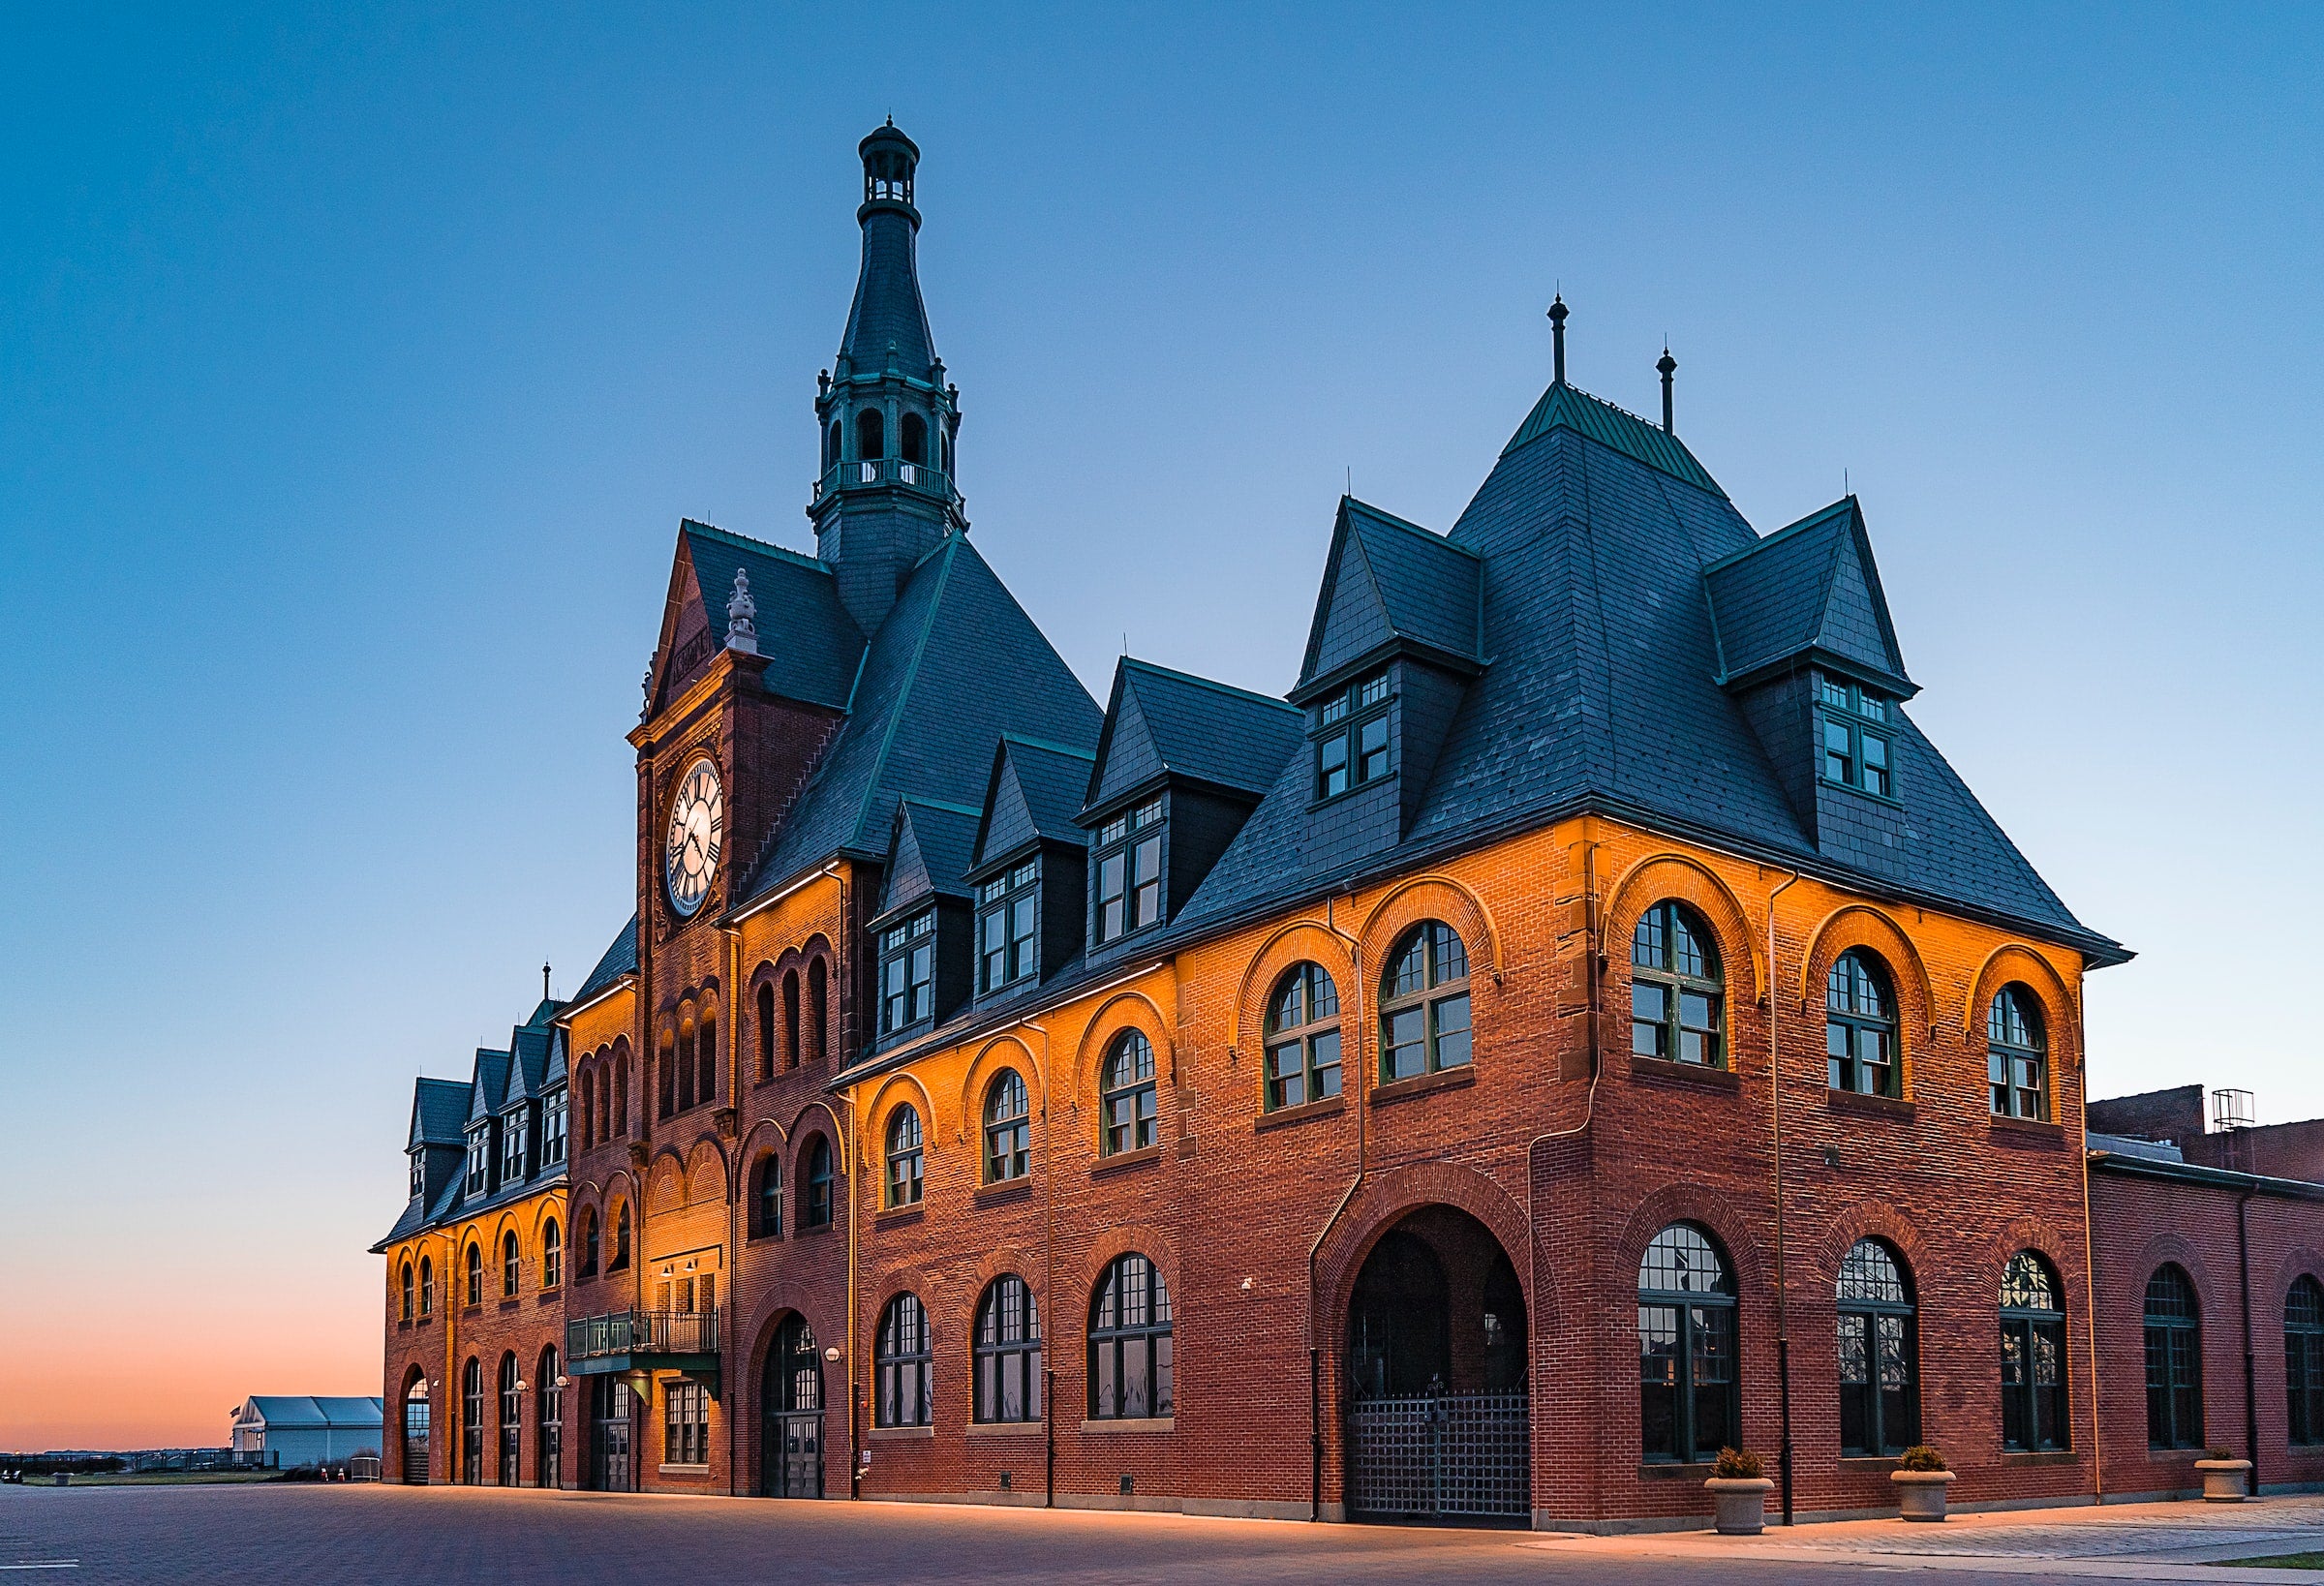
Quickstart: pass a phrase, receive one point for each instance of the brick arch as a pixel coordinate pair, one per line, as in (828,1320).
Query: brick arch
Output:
(1860,925)
(762,1340)
(2015,963)
(1388,1200)
(1124,1010)
(896,1088)
(767,1137)
(2301,1261)
(831,1117)
(999,1052)
(923,1281)
(1005,1260)
(1433,897)
(707,1172)
(503,1225)
(665,1181)
(1123,1240)
(2171,1249)
(1673,875)
(1300,941)
(542,1214)
(1869,1218)
(2042,1239)
(1713,1211)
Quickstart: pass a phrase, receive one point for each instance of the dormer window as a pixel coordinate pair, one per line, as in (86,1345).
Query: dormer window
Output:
(1008,927)
(1129,871)
(480,1158)
(1853,724)
(1353,747)
(552,1130)
(908,973)
(512,1148)
(420,1175)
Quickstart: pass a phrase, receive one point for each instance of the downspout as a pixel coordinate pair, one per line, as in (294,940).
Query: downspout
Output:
(2243,1266)
(1315,1348)
(2090,1275)
(1048,1278)
(1775,1092)
(734,1194)
(855,1458)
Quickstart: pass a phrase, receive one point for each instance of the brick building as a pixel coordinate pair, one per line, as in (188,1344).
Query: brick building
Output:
(1585,1021)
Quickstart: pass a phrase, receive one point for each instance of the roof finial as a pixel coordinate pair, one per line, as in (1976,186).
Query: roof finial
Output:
(1668,366)
(545,982)
(742,628)
(1557,334)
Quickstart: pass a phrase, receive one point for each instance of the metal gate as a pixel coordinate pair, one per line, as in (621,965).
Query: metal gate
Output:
(792,1456)
(1441,1455)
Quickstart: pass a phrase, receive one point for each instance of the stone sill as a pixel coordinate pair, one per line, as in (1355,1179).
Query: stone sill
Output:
(887,1434)
(1421,1084)
(1284,1117)
(1007,1428)
(1662,1070)
(898,1216)
(1145,1156)
(1870,1107)
(1005,1192)
(1866,1464)
(1664,1471)
(2031,1131)
(1161,1423)
(683,1469)
(2043,1456)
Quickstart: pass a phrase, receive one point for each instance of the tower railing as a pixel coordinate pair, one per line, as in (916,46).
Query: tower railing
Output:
(857,473)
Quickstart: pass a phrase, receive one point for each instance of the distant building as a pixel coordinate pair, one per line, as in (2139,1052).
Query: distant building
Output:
(298,1430)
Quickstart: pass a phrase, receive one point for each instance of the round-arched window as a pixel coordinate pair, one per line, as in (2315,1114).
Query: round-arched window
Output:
(902,1362)
(1126,1095)
(406,1311)
(1688,1397)
(1008,1128)
(1131,1361)
(552,1255)
(1860,1025)
(1008,1352)
(903,1157)
(427,1287)
(1424,1003)
(766,1202)
(1302,1038)
(475,1274)
(2303,1360)
(1880,1368)
(2017,1056)
(511,1270)
(2174,1340)
(814,1199)
(2033,1355)
(1676,996)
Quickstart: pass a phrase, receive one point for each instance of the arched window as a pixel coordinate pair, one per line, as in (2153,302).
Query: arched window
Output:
(621,1093)
(2174,1362)
(513,1417)
(1130,1365)
(686,1045)
(766,1029)
(1008,1128)
(552,1255)
(620,1239)
(405,1313)
(427,1288)
(766,1197)
(1860,1025)
(2033,1355)
(415,1430)
(1126,1095)
(790,1019)
(2303,1360)
(706,1056)
(901,1361)
(1302,1038)
(912,433)
(814,1196)
(589,1241)
(2017,1065)
(818,1010)
(1677,998)
(511,1273)
(1687,1403)
(1880,1346)
(549,1457)
(589,1093)
(666,1078)
(1424,1003)
(903,1157)
(471,1422)
(1008,1352)
(831,443)
(871,435)
(475,1274)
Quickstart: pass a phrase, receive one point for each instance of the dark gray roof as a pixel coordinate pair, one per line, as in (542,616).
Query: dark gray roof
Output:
(1035,791)
(528,1047)
(930,852)
(887,311)
(811,645)
(956,664)
(621,958)
(1807,592)
(1386,579)
(1564,407)
(438,1113)
(490,1088)
(1165,721)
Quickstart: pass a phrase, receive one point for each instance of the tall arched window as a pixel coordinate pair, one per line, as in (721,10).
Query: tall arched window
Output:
(1008,1128)
(2033,1355)
(404,1314)
(512,1268)
(1424,1003)
(1126,1095)
(903,1157)
(1302,1038)
(815,1190)
(2017,1065)
(831,443)
(912,433)
(1860,1025)
(621,1092)
(706,1056)
(1008,1352)
(552,1255)
(790,1019)
(588,1114)
(1688,1404)
(1130,1361)
(589,1241)
(513,1417)
(620,1239)
(900,1361)
(818,1010)
(2174,1362)
(427,1288)
(766,1029)
(471,1422)
(871,435)
(766,1199)
(475,1274)
(548,1459)
(686,1070)
(1677,998)
(2303,1360)
(1879,1375)
(665,1075)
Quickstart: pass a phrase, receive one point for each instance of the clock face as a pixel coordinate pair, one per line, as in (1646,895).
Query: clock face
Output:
(697,831)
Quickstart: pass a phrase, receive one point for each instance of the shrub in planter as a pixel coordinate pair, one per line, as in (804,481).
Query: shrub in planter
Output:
(1738,1488)
(1922,1479)
(2222,1476)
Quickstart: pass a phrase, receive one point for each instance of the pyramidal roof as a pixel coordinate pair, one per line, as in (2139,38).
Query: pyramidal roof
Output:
(1810,592)
(1387,580)
(930,852)
(1035,791)
(1563,406)
(1166,721)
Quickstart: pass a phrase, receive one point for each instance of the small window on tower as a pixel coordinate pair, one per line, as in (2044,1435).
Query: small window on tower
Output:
(912,438)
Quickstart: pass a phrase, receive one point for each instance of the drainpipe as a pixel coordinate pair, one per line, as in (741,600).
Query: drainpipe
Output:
(1775,1092)
(1315,1348)
(855,1456)
(1048,1278)
(2243,1266)
(2090,1267)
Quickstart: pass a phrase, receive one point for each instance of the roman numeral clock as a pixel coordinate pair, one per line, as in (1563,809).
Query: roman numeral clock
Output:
(698,831)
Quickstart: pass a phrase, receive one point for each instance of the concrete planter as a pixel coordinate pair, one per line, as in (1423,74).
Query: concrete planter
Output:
(2223,1479)
(1920,1494)
(1742,1504)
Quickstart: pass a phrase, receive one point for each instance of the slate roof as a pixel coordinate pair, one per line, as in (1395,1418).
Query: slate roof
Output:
(490,1092)
(440,1113)
(956,664)
(1386,579)
(811,645)
(887,310)
(620,958)
(1162,720)
(1563,406)
(1035,791)
(1810,591)
(529,1066)
(930,852)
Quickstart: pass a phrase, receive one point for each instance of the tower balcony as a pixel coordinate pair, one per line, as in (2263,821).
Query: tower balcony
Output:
(860,473)
(625,1341)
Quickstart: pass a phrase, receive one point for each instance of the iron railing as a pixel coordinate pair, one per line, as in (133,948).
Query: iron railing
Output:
(871,470)
(1441,1454)
(642,1332)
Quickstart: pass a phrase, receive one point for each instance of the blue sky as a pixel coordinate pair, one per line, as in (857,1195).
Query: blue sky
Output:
(354,374)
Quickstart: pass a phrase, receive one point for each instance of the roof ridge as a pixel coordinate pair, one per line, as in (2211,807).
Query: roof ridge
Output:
(782,553)
(1381,514)
(1638,439)
(1053,747)
(1208,682)
(1800,526)
(945,804)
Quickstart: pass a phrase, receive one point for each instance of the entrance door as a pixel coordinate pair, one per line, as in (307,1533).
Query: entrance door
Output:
(791,1414)
(609,1435)
(550,1469)
(416,1433)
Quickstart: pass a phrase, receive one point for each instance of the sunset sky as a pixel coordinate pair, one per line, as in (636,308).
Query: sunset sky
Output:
(356,373)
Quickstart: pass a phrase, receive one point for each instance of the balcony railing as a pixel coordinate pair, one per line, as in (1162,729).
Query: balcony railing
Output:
(642,1332)
(878,470)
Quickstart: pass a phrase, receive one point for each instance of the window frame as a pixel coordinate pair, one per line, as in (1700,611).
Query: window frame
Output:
(1009,907)
(2009,1061)
(2041,1427)
(766,1197)
(1889,1025)
(1140,1126)
(512,1266)
(1342,722)
(507,1385)
(1124,838)
(1665,976)
(2172,1341)
(1429,997)
(686,1424)
(555,1124)
(905,1178)
(512,1153)
(475,1264)
(1008,1136)
(1880,1354)
(1313,1000)
(908,973)
(552,1255)
(427,1288)
(480,1160)
(1701,1321)
(2303,1362)
(1147,1343)
(816,1178)
(996,1354)
(904,1364)
(1862,717)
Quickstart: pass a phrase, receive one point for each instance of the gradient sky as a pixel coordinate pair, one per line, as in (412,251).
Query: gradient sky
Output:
(353,376)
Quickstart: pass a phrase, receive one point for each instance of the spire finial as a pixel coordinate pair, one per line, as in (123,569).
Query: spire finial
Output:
(741,612)
(1557,334)
(545,982)
(1668,366)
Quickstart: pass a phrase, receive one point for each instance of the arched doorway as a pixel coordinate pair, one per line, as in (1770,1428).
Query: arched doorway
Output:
(1438,1418)
(415,1431)
(790,1459)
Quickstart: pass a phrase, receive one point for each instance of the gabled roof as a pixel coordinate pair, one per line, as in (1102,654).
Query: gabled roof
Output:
(956,664)
(1034,792)
(438,1113)
(529,1068)
(1162,721)
(621,958)
(929,853)
(489,1091)
(1807,592)
(811,645)
(1562,406)
(1387,580)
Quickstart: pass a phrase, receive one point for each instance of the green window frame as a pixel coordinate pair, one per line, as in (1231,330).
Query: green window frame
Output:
(1425,1004)
(908,973)
(1859,1026)
(1677,997)
(1302,1038)
(905,1177)
(2033,1397)
(1008,927)
(2174,1349)
(2017,1063)
(1353,747)
(1855,737)
(1880,1346)
(2303,1362)
(1127,1121)
(1126,872)
(1008,1128)
(1690,1400)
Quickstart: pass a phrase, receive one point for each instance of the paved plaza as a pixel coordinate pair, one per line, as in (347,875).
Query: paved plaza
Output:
(445,1535)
